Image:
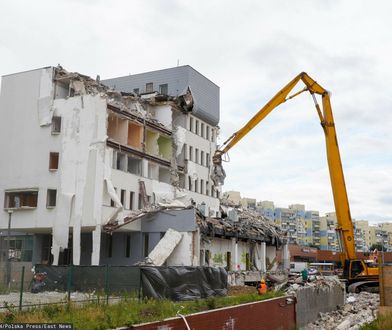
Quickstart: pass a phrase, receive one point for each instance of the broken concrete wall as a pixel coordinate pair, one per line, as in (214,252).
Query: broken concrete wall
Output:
(164,248)
(183,255)
(219,250)
(82,159)
(315,299)
(163,114)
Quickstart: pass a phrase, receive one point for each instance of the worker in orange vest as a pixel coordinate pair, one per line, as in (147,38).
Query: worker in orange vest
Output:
(262,287)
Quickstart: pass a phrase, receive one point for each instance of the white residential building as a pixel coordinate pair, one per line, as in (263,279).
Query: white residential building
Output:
(77,155)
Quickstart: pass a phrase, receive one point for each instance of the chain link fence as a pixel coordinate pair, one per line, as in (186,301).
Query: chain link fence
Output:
(22,288)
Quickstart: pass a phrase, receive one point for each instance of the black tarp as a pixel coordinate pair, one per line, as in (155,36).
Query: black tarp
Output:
(183,283)
(175,283)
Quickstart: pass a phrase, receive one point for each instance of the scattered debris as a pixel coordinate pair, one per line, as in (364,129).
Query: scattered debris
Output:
(296,283)
(359,310)
(248,225)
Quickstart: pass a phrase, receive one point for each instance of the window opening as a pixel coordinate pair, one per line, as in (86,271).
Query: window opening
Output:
(164,89)
(191,153)
(20,199)
(53,161)
(131,197)
(145,254)
(128,246)
(191,124)
(228,260)
(51,198)
(122,198)
(207,256)
(149,87)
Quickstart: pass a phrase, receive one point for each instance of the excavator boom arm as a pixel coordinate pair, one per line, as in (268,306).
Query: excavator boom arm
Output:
(345,226)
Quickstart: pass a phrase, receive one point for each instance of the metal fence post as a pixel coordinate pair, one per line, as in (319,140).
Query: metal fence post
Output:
(140,284)
(69,283)
(107,283)
(21,288)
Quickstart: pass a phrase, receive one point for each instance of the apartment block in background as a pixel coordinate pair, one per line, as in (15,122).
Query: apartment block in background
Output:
(266,209)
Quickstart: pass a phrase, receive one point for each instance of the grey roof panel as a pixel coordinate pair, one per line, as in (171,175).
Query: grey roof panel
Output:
(204,91)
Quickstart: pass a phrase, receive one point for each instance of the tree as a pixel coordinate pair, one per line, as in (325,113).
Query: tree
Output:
(377,246)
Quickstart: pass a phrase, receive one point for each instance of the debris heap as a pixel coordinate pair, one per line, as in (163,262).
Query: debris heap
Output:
(246,224)
(359,310)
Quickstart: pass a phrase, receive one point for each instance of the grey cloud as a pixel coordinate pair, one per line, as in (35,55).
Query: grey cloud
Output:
(284,53)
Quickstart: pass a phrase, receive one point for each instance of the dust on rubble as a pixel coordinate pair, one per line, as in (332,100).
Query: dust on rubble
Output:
(358,310)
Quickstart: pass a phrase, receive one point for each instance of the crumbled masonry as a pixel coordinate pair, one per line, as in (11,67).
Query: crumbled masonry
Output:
(129,102)
(359,310)
(250,225)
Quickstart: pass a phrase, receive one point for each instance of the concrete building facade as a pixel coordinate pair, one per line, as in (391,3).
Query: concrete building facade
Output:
(80,156)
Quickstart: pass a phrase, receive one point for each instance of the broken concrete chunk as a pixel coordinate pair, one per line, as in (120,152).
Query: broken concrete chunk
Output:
(165,247)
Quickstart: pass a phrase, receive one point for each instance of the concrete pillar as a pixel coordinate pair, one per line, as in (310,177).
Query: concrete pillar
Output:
(234,252)
(96,249)
(286,257)
(76,243)
(55,252)
(263,265)
(145,168)
(196,248)
(37,249)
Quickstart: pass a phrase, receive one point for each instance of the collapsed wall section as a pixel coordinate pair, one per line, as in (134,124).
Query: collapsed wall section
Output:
(82,160)
(315,299)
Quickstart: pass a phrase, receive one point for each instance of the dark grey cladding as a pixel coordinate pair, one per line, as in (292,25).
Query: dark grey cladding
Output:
(178,79)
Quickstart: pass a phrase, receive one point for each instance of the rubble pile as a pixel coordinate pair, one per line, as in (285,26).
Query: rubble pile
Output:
(320,282)
(246,224)
(359,310)
(129,102)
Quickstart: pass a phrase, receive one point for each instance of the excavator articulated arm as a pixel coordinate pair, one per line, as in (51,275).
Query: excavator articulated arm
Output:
(345,226)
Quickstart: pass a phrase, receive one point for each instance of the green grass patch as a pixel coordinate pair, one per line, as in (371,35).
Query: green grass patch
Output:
(126,312)
(381,323)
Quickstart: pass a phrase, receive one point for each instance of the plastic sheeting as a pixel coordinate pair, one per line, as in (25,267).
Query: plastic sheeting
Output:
(175,283)
(183,283)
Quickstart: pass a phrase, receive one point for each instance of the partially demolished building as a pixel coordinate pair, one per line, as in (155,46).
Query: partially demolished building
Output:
(97,172)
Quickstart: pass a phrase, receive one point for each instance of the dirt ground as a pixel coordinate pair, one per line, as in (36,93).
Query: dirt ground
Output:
(240,289)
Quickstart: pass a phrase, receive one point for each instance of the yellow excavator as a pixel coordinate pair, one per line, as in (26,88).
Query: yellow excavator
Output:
(359,275)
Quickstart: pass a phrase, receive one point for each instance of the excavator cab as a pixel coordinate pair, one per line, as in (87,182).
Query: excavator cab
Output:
(356,268)
(360,277)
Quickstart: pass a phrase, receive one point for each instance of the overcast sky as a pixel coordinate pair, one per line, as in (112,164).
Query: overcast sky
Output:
(250,49)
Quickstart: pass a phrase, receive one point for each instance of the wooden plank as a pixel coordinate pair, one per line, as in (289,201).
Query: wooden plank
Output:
(385,310)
